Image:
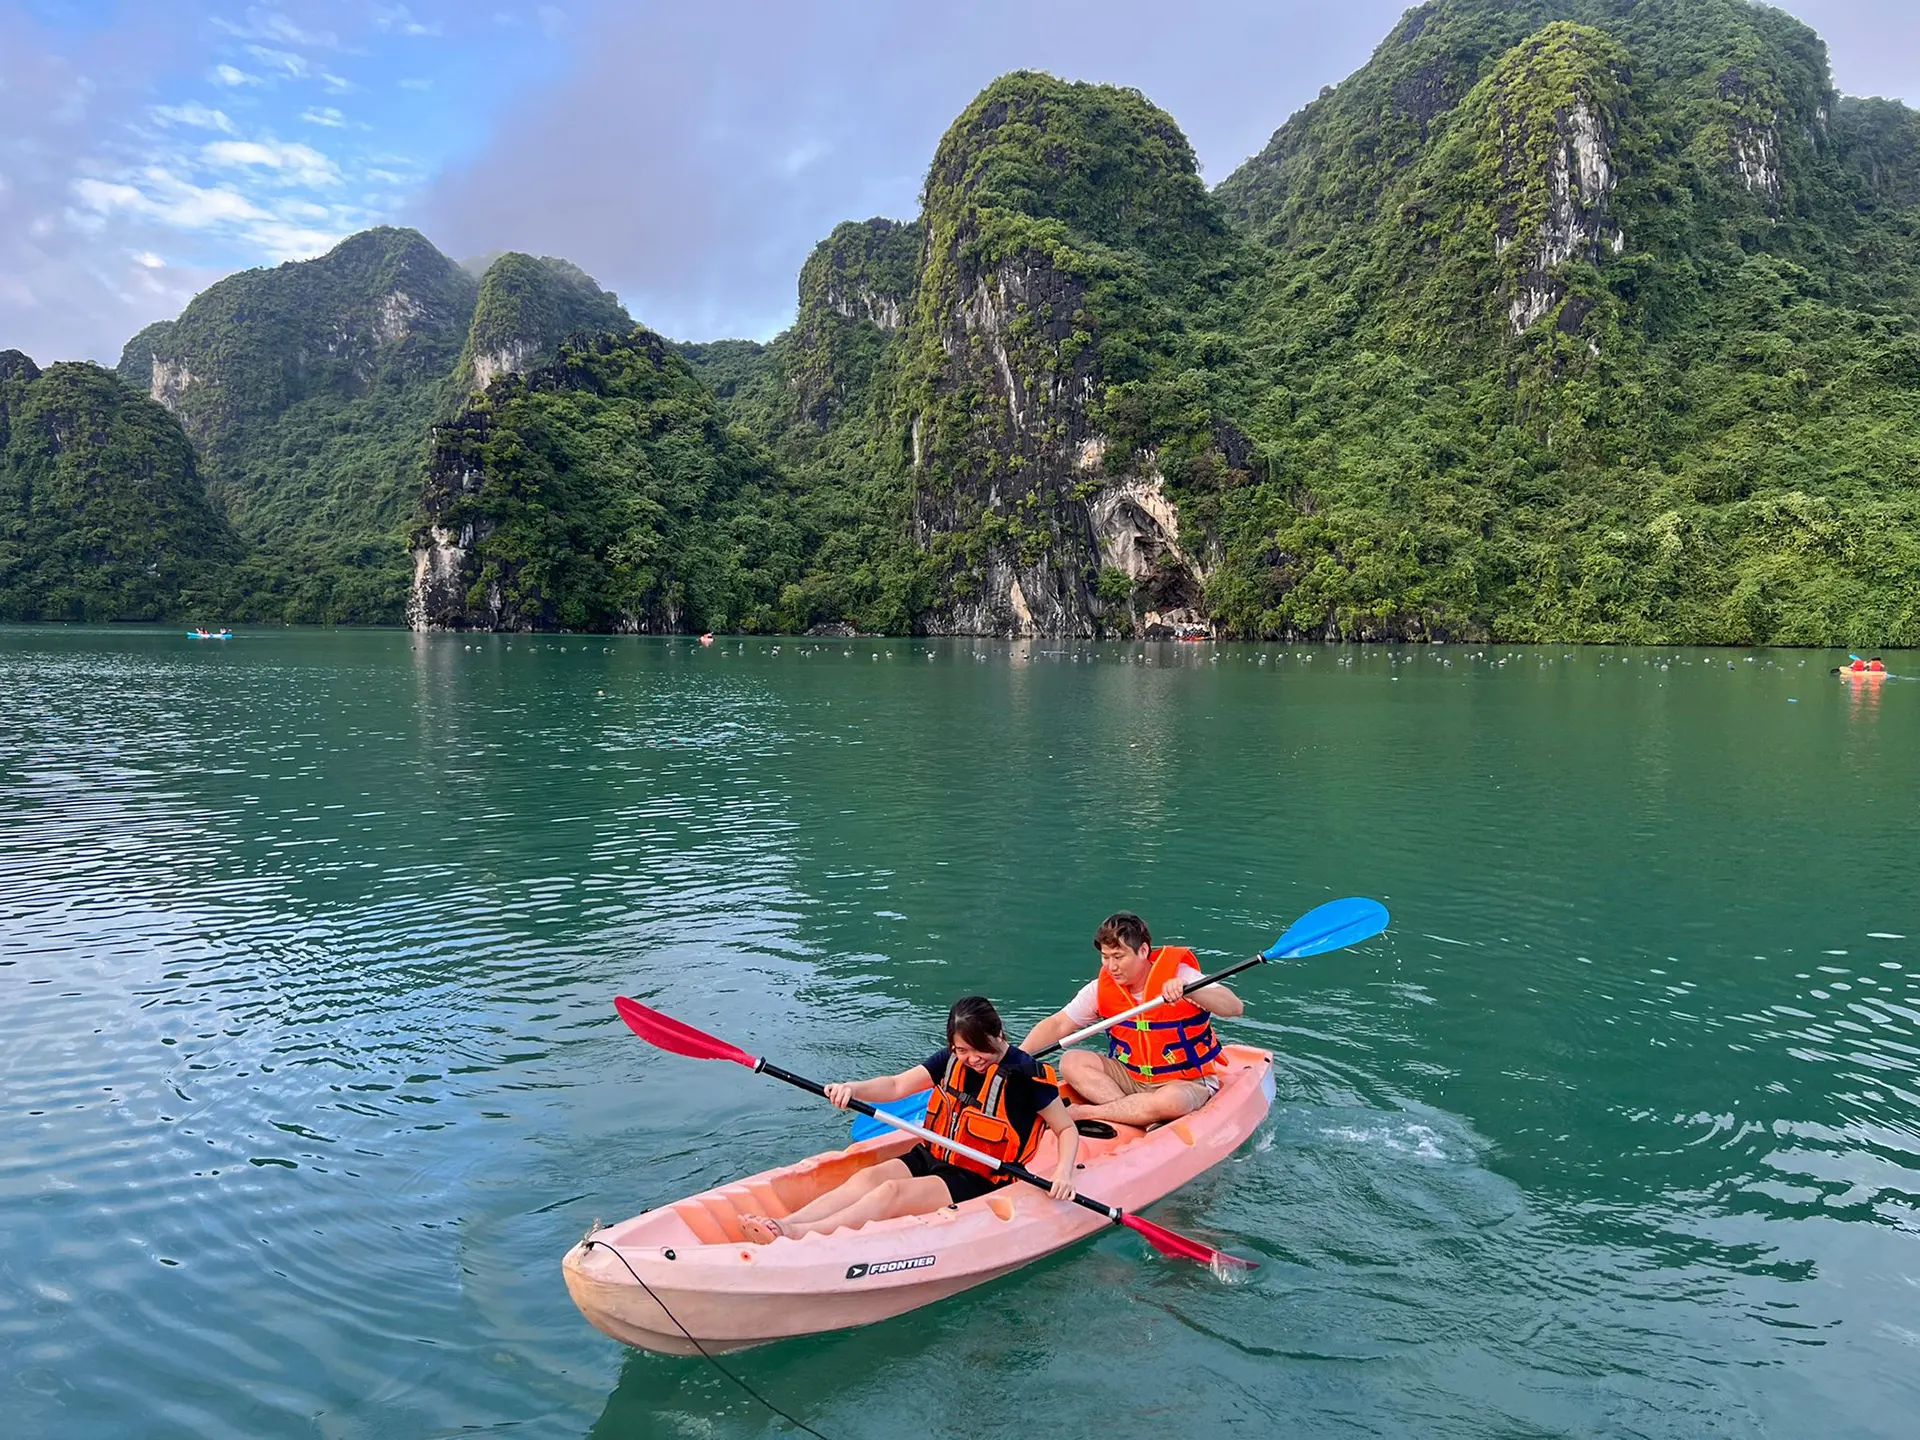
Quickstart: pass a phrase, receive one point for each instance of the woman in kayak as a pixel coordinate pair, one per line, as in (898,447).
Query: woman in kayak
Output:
(988,1095)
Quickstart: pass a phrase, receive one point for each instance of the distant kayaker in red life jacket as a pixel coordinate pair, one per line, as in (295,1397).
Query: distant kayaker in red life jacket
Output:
(987,1095)
(1159,1066)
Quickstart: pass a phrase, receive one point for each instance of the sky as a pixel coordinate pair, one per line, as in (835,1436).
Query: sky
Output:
(687,155)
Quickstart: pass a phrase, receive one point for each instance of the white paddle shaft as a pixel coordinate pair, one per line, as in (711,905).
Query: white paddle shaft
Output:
(886,1117)
(1107,1023)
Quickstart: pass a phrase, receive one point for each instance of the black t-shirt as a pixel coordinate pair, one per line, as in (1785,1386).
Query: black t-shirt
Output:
(1026,1092)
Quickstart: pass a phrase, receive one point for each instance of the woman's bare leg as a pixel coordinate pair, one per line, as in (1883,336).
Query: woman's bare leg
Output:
(848,1191)
(759,1230)
(886,1201)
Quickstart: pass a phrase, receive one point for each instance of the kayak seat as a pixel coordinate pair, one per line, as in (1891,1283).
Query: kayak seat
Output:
(703,1220)
(714,1216)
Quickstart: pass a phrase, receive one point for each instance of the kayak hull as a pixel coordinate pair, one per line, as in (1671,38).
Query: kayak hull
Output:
(684,1273)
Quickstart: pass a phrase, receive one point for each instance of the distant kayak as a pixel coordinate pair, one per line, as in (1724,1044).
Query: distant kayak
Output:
(209,634)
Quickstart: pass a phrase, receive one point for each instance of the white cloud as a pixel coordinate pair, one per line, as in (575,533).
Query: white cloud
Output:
(335,85)
(300,163)
(283,241)
(416,84)
(265,24)
(200,117)
(325,115)
(148,260)
(167,199)
(398,20)
(294,65)
(227,75)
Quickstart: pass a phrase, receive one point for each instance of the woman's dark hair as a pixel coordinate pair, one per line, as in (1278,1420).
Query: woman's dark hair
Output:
(975,1021)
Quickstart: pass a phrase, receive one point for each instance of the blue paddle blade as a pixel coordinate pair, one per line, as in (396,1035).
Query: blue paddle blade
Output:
(911,1107)
(1328,927)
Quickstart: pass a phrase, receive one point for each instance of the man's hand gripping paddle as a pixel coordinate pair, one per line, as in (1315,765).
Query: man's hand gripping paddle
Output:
(682,1039)
(1331,926)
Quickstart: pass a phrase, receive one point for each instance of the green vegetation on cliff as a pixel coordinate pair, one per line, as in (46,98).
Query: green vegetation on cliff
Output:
(1067,223)
(818,396)
(1559,320)
(309,391)
(527,305)
(1595,331)
(103,515)
(606,491)
(136,356)
(855,291)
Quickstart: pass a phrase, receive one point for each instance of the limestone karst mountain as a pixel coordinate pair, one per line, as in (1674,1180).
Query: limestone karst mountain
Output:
(103,515)
(1559,319)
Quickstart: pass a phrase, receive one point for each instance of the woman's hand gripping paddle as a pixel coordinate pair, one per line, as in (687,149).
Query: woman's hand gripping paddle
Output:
(1331,926)
(682,1039)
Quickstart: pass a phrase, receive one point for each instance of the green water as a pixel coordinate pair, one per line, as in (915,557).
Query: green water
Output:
(307,944)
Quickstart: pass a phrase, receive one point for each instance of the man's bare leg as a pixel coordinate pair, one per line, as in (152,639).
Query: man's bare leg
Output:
(1087,1073)
(1146,1107)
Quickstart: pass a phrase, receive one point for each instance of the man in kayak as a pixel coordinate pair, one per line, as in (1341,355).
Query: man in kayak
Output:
(987,1095)
(1160,1066)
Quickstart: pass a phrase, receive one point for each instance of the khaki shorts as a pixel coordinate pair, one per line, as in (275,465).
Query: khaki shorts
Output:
(1199,1091)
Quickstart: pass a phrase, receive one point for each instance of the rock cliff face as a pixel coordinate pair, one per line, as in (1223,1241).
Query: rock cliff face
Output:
(446,543)
(102,512)
(136,356)
(1059,218)
(308,390)
(527,305)
(1560,319)
(1550,111)
(855,290)
(382,309)
(524,528)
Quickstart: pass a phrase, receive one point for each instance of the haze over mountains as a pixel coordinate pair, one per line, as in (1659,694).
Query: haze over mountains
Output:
(1561,319)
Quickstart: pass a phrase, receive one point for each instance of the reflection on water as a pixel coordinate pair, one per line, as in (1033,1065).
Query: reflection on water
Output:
(308,944)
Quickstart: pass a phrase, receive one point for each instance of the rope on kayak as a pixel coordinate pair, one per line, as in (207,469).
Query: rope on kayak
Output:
(705,1354)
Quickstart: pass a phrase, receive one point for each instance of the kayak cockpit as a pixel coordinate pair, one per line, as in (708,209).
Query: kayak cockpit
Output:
(713,1217)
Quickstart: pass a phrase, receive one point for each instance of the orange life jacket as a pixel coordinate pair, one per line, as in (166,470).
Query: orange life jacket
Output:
(1170,1042)
(979,1122)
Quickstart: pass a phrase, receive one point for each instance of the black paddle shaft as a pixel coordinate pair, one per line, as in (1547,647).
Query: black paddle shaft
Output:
(1200,984)
(1112,1213)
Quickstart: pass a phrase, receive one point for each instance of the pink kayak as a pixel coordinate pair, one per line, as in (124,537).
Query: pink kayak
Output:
(729,1293)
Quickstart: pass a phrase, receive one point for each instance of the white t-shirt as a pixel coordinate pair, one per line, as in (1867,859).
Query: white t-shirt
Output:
(1084,1008)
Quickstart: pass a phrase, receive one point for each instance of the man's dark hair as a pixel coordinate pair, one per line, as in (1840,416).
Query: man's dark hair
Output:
(1122,928)
(975,1021)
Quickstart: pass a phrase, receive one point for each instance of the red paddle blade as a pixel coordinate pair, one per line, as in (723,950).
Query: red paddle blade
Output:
(670,1034)
(1181,1248)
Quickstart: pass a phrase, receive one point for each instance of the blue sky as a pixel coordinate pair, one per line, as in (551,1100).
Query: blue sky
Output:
(686,155)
